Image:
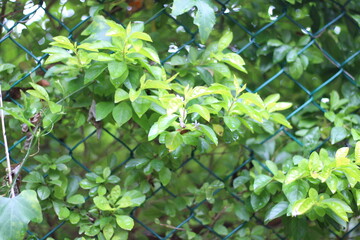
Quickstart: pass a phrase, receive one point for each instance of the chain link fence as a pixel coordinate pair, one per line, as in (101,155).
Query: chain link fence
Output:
(336,69)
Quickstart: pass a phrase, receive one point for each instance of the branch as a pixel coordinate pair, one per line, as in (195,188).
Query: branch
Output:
(12,192)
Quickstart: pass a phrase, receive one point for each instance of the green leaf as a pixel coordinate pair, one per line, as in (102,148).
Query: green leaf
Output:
(94,71)
(280,53)
(108,231)
(271,99)
(116,69)
(233,123)
(165,176)
(235,61)
(296,190)
(102,203)
(302,206)
(40,92)
(179,6)
(296,68)
(279,118)
(63,42)
(260,182)
(304,40)
(209,133)
(122,113)
(274,43)
(276,211)
(332,183)
(140,106)
(125,222)
(357,153)
(253,98)
(43,192)
(280,106)
(338,134)
(137,198)
(124,202)
(16,213)
(64,213)
(76,199)
(338,206)
(155,84)
(74,217)
(100,56)
(173,140)
(202,111)
(225,40)
(161,125)
(259,201)
(150,53)
(291,56)
(141,36)
(120,95)
(34,177)
(204,19)
(103,109)
(54,107)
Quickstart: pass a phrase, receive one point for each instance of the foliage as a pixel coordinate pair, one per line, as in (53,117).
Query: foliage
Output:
(136,126)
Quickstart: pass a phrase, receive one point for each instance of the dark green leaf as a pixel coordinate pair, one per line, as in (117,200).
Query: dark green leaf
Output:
(17,212)
(94,71)
(276,211)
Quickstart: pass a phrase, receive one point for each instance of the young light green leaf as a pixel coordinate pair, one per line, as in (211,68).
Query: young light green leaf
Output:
(125,222)
(235,61)
(120,95)
(150,53)
(357,153)
(173,140)
(302,206)
(141,36)
(202,111)
(54,107)
(40,91)
(63,42)
(279,118)
(155,84)
(225,40)
(102,203)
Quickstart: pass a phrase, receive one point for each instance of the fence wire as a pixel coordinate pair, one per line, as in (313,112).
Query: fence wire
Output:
(252,42)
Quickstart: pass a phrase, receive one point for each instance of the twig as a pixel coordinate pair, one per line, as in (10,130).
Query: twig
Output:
(12,192)
(171,227)
(26,156)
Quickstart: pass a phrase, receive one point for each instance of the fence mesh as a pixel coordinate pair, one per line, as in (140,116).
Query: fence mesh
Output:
(337,68)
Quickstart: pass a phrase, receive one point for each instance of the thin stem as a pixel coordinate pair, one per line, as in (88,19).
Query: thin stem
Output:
(25,157)
(12,192)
